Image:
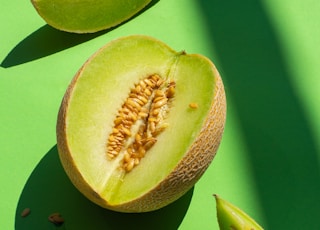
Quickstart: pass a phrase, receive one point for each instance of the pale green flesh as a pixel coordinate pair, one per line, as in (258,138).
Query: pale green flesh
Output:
(99,93)
(231,217)
(87,15)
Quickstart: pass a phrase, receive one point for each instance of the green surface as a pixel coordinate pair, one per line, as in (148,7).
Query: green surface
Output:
(268,162)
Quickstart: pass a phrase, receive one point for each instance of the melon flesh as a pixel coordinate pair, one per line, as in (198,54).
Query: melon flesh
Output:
(87,16)
(182,152)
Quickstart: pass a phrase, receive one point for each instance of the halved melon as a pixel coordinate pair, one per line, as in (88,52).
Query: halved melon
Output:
(86,16)
(140,123)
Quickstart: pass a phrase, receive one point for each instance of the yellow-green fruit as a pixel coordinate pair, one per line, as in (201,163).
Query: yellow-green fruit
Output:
(140,123)
(85,16)
(231,217)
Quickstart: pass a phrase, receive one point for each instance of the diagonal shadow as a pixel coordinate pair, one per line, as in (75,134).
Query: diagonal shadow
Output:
(46,41)
(49,190)
(280,144)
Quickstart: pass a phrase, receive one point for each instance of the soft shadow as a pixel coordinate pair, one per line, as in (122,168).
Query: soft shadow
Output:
(48,40)
(49,190)
(44,42)
(280,144)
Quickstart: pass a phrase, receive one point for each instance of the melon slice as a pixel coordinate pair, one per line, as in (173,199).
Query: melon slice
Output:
(85,16)
(140,123)
(231,217)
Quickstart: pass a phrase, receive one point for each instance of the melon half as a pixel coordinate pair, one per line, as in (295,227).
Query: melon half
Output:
(86,16)
(190,124)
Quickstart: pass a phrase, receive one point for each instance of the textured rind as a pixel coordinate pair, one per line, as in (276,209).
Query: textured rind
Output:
(180,180)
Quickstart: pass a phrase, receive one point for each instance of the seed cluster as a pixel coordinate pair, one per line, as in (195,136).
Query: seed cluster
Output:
(140,120)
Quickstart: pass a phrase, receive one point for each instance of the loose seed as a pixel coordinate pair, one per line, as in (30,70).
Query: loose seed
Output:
(193,105)
(56,219)
(25,212)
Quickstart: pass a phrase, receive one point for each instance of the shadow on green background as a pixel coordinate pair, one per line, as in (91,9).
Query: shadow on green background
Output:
(46,41)
(49,190)
(277,134)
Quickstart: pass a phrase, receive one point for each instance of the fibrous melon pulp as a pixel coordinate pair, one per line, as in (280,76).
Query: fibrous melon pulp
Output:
(140,123)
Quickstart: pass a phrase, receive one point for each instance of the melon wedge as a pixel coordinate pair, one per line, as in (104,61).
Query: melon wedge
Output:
(231,217)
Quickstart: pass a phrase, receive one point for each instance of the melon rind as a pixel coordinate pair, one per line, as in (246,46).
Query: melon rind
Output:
(188,170)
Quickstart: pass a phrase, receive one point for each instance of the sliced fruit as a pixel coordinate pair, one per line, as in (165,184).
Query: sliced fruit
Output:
(231,217)
(83,16)
(126,134)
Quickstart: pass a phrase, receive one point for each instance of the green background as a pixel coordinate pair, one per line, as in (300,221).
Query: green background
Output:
(268,163)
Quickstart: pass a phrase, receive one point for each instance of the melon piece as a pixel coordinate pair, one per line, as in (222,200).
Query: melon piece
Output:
(83,16)
(140,123)
(231,217)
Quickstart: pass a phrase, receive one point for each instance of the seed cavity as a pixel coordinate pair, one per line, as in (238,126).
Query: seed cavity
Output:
(140,120)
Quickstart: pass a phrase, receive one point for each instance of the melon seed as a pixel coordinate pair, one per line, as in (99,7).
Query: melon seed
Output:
(25,212)
(193,105)
(56,218)
(146,106)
